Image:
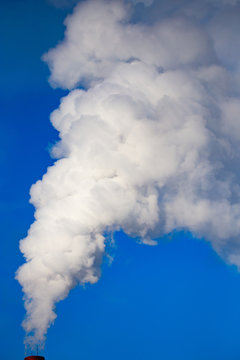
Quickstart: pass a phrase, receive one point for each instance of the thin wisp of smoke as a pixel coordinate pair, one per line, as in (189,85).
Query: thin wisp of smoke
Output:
(149,137)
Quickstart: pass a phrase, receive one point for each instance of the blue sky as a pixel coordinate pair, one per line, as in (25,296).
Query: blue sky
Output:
(177,300)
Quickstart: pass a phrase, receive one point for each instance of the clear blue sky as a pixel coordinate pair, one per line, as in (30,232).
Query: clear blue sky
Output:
(178,300)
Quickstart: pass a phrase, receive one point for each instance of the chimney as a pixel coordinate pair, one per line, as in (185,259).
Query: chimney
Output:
(34,357)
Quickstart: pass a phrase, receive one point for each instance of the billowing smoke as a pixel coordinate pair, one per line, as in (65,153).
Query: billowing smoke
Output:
(149,141)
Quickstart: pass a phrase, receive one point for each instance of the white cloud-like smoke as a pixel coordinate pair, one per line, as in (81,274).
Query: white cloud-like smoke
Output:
(70,3)
(148,145)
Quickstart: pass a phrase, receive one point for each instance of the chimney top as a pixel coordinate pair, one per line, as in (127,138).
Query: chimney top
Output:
(34,357)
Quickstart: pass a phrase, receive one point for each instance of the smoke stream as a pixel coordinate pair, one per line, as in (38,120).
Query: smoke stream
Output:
(148,146)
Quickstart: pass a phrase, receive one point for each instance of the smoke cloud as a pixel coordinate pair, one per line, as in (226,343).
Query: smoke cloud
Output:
(149,141)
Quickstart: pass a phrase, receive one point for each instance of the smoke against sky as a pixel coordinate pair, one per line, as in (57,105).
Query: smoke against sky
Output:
(149,137)
(70,3)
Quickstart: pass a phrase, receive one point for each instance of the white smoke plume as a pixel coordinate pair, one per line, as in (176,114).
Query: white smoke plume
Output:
(149,142)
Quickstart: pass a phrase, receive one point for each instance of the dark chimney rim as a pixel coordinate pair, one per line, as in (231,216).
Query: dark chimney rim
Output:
(34,357)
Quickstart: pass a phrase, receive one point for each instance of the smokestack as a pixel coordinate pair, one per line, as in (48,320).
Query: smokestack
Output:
(34,357)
